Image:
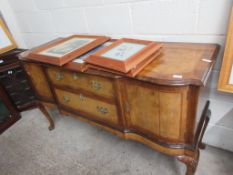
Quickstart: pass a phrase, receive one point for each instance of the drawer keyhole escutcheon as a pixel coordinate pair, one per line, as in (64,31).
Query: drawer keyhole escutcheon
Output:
(59,76)
(96,85)
(102,110)
(75,76)
(127,108)
(66,99)
(81,97)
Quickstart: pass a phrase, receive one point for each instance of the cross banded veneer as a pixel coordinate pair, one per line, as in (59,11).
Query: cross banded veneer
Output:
(158,107)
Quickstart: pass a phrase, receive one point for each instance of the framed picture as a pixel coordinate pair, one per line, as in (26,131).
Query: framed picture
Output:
(124,54)
(7,42)
(133,72)
(79,63)
(67,49)
(225,82)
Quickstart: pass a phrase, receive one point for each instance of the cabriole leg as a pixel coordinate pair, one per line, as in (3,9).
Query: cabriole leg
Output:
(190,162)
(47,115)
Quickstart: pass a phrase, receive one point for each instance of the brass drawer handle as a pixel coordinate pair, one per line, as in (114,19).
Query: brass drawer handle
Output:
(75,76)
(81,97)
(102,110)
(96,85)
(59,76)
(66,99)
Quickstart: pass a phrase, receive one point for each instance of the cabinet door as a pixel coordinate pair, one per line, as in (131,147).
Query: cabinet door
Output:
(8,114)
(143,108)
(158,112)
(17,87)
(4,112)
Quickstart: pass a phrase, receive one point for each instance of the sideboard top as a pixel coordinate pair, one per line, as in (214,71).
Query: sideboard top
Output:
(179,64)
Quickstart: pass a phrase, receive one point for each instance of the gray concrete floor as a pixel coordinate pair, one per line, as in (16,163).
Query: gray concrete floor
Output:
(76,148)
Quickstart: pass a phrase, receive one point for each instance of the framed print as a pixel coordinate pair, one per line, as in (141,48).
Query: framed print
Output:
(133,72)
(7,42)
(124,55)
(225,82)
(79,63)
(67,49)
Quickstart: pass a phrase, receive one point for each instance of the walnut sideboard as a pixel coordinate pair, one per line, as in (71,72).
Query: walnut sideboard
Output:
(158,107)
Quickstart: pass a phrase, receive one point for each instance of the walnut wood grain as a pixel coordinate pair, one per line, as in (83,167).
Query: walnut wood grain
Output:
(75,80)
(193,61)
(39,81)
(157,108)
(80,102)
(188,60)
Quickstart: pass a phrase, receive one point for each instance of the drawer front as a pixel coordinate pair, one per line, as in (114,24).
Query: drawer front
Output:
(101,111)
(94,84)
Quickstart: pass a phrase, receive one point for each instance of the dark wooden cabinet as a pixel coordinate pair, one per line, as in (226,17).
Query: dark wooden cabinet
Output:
(16,92)
(4,111)
(8,113)
(17,87)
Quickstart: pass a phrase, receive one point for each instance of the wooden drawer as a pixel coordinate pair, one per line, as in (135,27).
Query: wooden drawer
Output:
(88,106)
(95,84)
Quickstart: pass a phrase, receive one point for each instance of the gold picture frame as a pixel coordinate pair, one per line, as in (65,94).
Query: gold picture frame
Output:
(225,82)
(7,41)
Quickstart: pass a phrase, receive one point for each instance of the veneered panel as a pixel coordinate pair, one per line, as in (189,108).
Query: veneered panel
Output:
(75,80)
(170,114)
(101,110)
(38,80)
(143,104)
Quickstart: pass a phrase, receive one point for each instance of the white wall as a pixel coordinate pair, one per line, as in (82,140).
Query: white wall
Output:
(202,21)
(9,17)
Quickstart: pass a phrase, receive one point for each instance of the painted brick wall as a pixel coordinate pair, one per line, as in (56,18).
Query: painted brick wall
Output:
(202,21)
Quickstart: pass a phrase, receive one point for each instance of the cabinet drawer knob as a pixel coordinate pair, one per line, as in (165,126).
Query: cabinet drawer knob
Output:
(59,76)
(66,99)
(96,85)
(102,110)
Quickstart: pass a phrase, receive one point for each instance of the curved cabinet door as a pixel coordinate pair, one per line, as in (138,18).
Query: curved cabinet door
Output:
(39,81)
(157,112)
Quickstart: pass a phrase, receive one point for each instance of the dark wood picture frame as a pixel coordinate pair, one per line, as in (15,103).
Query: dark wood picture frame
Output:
(37,54)
(124,65)
(9,36)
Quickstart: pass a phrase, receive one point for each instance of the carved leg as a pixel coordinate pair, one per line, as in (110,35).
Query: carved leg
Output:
(202,146)
(190,162)
(47,115)
(205,117)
